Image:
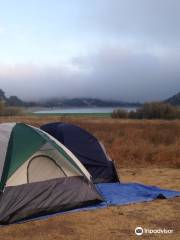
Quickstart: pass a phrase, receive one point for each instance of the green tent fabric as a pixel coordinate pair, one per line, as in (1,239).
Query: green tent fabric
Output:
(22,137)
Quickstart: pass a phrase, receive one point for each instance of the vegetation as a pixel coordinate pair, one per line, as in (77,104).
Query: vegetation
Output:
(120,113)
(15,101)
(153,110)
(130,143)
(11,101)
(133,143)
(9,111)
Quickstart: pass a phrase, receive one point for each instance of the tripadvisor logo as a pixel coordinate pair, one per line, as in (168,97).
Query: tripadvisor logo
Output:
(140,231)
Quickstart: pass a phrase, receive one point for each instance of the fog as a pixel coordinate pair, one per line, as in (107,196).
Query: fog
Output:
(127,50)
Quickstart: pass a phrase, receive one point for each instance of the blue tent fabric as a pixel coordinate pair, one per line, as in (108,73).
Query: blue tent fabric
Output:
(86,148)
(116,194)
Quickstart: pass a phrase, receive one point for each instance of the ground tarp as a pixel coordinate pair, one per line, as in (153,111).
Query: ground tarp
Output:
(123,194)
(128,193)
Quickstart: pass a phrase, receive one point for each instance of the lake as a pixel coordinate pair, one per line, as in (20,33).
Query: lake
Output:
(92,110)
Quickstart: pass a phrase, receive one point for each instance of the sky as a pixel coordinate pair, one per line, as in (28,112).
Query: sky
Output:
(111,49)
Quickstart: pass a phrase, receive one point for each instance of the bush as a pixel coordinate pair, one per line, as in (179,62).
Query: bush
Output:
(132,114)
(152,110)
(12,111)
(9,111)
(158,110)
(119,113)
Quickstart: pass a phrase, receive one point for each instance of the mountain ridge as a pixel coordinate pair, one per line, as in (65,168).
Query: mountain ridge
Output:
(77,102)
(174,100)
(65,102)
(87,102)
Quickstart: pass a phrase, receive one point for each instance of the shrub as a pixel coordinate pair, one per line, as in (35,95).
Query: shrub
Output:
(132,114)
(9,111)
(119,113)
(158,110)
(2,107)
(12,111)
(152,110)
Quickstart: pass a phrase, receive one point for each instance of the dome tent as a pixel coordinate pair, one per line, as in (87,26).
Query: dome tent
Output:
(86,148)
(38,175)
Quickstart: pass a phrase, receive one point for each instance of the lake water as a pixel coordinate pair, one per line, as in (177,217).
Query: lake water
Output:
(81,110)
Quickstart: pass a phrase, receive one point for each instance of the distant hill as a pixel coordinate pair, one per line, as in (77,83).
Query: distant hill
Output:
(174,100)
(69,102)
(12,100)
(86,102)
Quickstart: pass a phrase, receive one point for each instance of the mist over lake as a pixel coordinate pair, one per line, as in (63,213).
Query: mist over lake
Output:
(81,110)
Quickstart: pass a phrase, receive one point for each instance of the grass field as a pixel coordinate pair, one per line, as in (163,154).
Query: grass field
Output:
(146,152)
(101,115)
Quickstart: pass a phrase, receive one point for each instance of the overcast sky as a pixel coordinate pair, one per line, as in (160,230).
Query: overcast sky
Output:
(111,49)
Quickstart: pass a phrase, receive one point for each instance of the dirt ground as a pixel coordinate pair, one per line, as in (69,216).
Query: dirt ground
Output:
(114,222)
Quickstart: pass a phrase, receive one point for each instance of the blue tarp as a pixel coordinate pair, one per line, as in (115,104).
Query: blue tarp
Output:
(127,193)
(123,194)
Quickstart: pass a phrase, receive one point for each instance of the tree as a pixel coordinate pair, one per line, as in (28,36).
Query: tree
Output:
(15,101)
(2,95)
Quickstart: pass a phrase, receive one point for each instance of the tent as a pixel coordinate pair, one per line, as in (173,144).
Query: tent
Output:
(86,148)
(38,175)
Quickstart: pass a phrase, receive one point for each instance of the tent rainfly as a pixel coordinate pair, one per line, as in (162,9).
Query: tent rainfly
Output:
(88,149)
(39,175)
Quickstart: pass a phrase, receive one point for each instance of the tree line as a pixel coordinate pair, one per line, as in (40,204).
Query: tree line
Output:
(150,110)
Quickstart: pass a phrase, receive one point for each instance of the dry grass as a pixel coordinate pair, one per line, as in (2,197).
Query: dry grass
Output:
(129,142)
(146,152)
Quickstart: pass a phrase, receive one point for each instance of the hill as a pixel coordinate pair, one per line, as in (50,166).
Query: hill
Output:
(86,102)
(174,100)
(13,101)
(66,102)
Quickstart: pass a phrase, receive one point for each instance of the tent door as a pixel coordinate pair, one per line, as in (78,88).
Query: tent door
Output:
(42,168)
